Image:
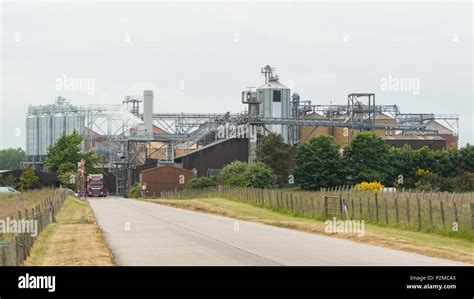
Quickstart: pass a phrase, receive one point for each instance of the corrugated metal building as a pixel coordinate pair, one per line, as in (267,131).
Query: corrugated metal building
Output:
(416,142)
(45,179)
(164,178)
(216,156)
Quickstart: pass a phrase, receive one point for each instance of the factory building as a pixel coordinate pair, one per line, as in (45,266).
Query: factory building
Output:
(138,145)
(166,178)
(215,156)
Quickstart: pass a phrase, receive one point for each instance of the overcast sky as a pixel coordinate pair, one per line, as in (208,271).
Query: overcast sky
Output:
(217,49)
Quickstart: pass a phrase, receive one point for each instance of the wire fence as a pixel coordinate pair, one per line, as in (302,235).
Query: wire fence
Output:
(436,212)
(24,228)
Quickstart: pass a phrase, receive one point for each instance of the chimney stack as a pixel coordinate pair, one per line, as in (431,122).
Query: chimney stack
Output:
(148,111)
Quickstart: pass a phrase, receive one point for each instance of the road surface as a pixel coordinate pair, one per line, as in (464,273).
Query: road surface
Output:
(141,233)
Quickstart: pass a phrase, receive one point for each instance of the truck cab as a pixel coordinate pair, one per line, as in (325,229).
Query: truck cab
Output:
(95,185)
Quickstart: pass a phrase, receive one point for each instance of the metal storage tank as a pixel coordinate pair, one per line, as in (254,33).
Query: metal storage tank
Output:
(45,136)
(381,118)
(31,135)
(45,124)
(343,135)
(58,125)
(275,102)
(308,132)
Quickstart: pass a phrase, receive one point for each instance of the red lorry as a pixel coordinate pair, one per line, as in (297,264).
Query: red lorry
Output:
(96,185)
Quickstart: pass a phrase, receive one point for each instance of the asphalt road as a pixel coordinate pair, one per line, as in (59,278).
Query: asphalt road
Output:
(141,233)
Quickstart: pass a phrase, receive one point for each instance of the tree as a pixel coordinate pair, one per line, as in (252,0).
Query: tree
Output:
(446,162)
(318,163)
(11,158)
(403,168)
(425,159)
(427,180)
(464,181)
(259,175)
(202,182)
(68,179)
(233,174)
(63,156)
(28,179)
(367,158)
(466,158)
(256,174)
(65,153)
(274,152)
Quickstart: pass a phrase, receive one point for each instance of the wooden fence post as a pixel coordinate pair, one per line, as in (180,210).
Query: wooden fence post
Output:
(386,208)
(3,252)
(281,200)
(368,207)
(376,207)
(397,215)
(352,205)
(418,203)
(455,210)
(17,251)
(277,201)
(431,212)
(472,217)
(341,206)
(408,208)
(27,236)
(291,201)
(325,206)
(441,206)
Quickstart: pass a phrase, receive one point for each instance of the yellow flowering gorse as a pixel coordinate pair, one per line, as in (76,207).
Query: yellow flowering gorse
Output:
(369,187)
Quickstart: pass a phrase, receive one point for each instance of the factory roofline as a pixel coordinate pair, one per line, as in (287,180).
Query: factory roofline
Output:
(273,84)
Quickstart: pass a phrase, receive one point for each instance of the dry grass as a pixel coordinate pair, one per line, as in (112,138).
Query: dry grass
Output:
(11,204)
(73,240)
(418,242)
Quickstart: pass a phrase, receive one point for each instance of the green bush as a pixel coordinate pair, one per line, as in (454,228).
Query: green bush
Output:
(135,191)
(28,179)
(259,175)
(255,174)
(464,181)
(232,174)
(201,183)
(65,179)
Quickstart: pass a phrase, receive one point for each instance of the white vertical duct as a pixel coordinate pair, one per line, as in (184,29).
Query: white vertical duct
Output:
(148,111)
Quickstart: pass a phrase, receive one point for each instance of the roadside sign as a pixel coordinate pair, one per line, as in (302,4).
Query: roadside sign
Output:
(144,187)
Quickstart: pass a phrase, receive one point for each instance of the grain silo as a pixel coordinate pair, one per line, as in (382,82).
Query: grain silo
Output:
(308,132)
(381,118)
(275,103)
(46,123)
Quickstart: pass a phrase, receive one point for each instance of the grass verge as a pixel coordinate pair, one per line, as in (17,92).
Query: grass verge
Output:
(12,203)
(73,240)
(423,243)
